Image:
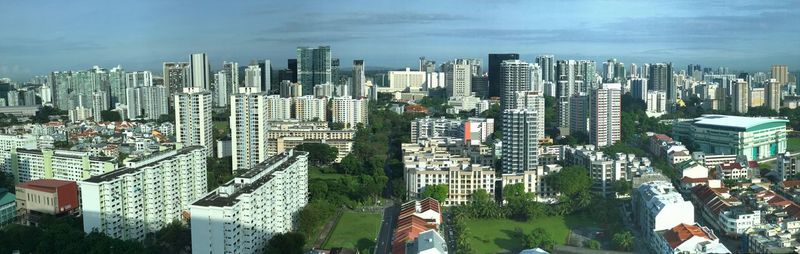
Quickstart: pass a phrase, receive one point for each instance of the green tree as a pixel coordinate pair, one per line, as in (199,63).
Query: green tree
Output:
(286,243)
(336,126)
(110,116)
(623,240)
(174,238)
(570,180)
(623,187)
(319,154)
(436,191)
(539,238)
(592,244)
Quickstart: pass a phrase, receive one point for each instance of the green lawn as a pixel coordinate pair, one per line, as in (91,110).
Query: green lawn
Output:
(793,145)
(221,125)
(497,235)
(355,230)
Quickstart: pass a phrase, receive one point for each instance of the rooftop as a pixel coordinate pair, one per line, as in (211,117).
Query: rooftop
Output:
(6,197)
(46,185)
(739,123)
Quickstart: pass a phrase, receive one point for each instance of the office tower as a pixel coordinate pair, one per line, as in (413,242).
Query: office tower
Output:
(480,85)
(193,125)
(350,112)
(579,113)
(547,62)
(117,83)
(309,108)
(458,77)
(278,108)
(289,89)
(200,71)
(221,88)
(772,94)
(515,76)
(266,75)
(292,67)
(252,77)
(147,102)
(248,123)
(147,195)
(605,115)
(359,80)
(660,79)
(321,91)
(99,104)
(231,71)
(495,72)
(781,74)
(740,102)
(639,88)
(335,71)
(13,98)
(242,215)
(520,140)
(408,79)
(176,76)
(426,65)
(313,67)
(531,100)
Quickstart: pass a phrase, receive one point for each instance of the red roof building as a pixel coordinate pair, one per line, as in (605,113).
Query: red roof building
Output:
(48,196)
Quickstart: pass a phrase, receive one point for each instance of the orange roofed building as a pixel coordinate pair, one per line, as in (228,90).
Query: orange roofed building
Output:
(685,238)
(415,217)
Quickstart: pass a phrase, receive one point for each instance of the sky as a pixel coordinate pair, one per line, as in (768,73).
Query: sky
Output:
(38,37)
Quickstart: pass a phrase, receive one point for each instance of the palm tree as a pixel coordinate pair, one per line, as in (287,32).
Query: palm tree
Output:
(624,240)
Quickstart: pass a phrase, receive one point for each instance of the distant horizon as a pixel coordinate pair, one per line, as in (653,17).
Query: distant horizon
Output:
(41,37)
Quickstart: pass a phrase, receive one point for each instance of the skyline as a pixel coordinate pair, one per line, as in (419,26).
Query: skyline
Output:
(735,34)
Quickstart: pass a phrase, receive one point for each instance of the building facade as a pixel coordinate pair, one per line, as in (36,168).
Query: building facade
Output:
(193,123)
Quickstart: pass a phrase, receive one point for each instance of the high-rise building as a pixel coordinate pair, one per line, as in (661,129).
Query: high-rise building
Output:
(200,69)
(781,74)
(252,77)
(408,79)
(176,76)
(587,69)
(496,70)
(336,77)
(117,84)
(547,62)
(248,123)
(242,215)
(13,98)
(34,164)
(8,150)
(426,65)
(579,113)
(147,195)
(605,110)
(291,65)
(660,79)
(147,102)
(138,78)
(266,75)
(656,102)
(359,83)
(289,89)
(350,112)
(531,100)
(458,76)
(772,94)
(99,104)
(231,71)
(569,82)
(741,100)
(221,90)
(320,91)
(278,108)
(310,108)
(313,67)
(520,140)
(639,88)
(515,76)
(193,124)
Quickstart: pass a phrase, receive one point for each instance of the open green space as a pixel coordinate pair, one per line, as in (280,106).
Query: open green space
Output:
(316,173)
(221,125)
(498,235)
(793,145)
(355,230)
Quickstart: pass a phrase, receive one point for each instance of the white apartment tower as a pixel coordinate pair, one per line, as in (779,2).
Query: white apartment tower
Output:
(200,71)
(516,76)
(221,90)
(278,108)
(309,108)
(252,76)
(520,140)
(359,79)
(772,94)
(350,112)
(458,76)
(605,112)
(193,124)
(243,214)
(146,195)
(532,100)
(741,99)
(248,123)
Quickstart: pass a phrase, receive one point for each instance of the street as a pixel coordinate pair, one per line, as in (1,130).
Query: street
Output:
(385,234)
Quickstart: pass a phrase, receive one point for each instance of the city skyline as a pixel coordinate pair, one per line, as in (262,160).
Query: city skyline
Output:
(736,34)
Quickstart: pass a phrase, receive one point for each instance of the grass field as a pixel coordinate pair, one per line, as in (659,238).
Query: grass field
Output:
(497,235)
(793,145)
(355,230)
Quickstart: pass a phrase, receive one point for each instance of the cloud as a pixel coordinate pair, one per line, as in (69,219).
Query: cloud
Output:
(25,46)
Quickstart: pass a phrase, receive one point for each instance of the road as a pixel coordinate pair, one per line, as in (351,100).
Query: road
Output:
(385,234)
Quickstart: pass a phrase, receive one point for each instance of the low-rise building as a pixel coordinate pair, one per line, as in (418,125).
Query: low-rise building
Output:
(657,206)
(35,164)
(787,166)
(605,170)
(285,135)
(756,138)
(689,238)
(8,207)
(46,196)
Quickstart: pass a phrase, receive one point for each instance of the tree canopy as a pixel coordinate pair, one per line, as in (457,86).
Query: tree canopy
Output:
(570,180)
(319,154)
(435,191)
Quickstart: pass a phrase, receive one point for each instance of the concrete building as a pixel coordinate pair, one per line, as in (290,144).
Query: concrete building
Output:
(147,102)
(350,112)
(248,123)
(199,71)
(289,89)
(8,149)
(757,97)
(773,94)
(780,73)
(495,72)
(176,76)
(579,114)
(8,207)
(278,108)
(740,96)
(639,89)
(787,165)
(520,140)
(458,76)
(310,108)
(46,196)
(193,123)
(657,206)
(359,81)
(221,90)
(252,77)
(321,91)
(243,214)
(534,101)
(412,80)
(689,238)
(314,67)
(428,242)
(35,164)
(605,115)
(145,196)
(515,76)
(756,138)
(656,103)
(286,135)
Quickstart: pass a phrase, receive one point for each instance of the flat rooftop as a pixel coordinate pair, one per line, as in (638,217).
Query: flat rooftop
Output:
(739,123)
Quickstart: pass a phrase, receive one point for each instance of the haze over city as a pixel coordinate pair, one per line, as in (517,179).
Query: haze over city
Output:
(42,36)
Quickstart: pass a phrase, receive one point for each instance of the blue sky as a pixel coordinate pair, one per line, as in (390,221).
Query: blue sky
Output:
(42,36)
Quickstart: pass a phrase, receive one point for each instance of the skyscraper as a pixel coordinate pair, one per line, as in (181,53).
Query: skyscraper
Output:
(741,101)
(515,76)
(639,88)
(781,74)
(176,76)
(252,77)
(292,67)
(579,113)
(221,89)
(495,72)
(231,71)
(570,82)
(313,67)
(193,125)
(772,94)
(266,75)
(359,79)
(458,76)
(426,65)
(605,106)
(116,82)
(200,71)
(660,79)
(520,140)
(248,123)
(547,62)
(532,100)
